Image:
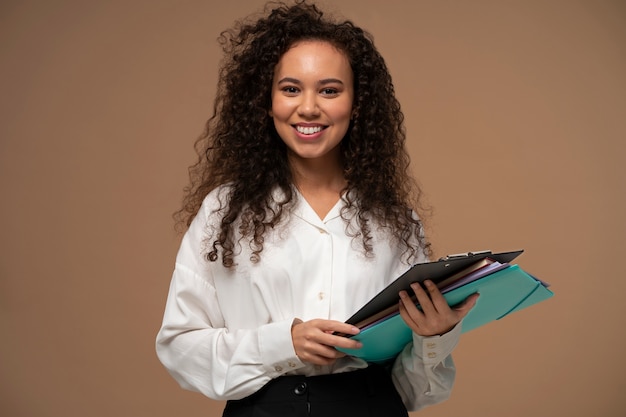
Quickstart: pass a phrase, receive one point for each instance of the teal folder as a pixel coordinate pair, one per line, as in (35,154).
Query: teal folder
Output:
(501,293)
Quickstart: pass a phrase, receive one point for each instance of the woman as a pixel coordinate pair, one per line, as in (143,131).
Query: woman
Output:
(301,209)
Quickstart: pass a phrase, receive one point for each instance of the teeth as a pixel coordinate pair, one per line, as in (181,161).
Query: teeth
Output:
(308,130)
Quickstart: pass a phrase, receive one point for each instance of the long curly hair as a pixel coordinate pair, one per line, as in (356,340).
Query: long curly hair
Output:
(240,146)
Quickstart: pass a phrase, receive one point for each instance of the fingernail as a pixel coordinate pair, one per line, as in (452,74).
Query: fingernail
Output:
(356,330)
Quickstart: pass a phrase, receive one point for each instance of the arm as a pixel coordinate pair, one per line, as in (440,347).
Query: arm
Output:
(203,355)
(221,337)
(424,371)
(195,342)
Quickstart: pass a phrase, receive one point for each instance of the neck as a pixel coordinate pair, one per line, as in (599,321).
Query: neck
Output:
(317,175)
(319,182)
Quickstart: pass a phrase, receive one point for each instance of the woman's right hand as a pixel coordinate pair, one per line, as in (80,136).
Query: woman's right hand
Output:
(315,340)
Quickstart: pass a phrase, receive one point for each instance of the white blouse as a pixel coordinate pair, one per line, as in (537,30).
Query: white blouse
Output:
(226,333)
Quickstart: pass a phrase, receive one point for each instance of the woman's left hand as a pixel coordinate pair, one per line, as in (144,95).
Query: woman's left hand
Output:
(436,317)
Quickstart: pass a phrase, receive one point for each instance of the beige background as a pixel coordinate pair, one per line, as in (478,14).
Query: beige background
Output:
(516,113)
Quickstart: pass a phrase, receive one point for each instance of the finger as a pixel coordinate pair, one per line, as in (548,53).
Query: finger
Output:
(338,334)
(439,302)
(309,350)
(329,333)
(332,326)
(340,341)
(320,354)
(408,319)
(315,359)
(424,299)
(335,340)
(323,351)
(466,306)
(408,304)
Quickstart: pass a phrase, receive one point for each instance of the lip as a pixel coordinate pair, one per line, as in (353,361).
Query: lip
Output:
(311,137)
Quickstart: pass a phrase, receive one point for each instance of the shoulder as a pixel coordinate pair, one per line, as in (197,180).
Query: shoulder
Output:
(217,199)
(211,211)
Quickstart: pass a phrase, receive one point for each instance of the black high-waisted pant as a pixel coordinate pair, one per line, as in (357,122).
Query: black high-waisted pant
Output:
(367,392)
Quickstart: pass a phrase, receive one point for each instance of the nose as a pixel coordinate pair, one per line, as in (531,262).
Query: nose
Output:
(308,106)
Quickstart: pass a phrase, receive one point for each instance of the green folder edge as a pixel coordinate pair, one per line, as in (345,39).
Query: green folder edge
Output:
(501,293)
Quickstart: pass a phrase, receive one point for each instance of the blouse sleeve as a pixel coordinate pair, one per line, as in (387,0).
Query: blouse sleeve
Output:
(194,344)
(424,371)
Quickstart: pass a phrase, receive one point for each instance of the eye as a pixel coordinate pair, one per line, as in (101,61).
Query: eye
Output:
(290,90)
(329,91)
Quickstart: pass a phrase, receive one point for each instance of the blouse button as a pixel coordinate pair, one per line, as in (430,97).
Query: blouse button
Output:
(278,368)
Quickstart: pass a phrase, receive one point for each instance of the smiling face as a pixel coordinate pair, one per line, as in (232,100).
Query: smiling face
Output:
(312,96)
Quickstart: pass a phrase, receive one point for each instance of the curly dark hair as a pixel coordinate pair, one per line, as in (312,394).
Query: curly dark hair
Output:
(240,134)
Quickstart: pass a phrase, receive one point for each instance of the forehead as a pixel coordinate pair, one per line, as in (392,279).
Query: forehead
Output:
(314,58)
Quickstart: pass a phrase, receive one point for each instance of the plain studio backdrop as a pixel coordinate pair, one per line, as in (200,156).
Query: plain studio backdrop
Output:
(516,119)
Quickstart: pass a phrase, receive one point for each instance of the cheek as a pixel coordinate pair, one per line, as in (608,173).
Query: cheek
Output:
(280,109)
(343,113)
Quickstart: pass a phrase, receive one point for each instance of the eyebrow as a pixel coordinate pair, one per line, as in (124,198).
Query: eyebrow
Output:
(320,82)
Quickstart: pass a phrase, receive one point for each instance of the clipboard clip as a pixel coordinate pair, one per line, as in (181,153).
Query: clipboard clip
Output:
(464,255)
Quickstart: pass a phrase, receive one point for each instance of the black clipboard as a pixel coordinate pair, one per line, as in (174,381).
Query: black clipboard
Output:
(435,271)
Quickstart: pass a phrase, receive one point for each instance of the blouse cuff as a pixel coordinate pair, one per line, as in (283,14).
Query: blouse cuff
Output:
(435,349)
(276,347)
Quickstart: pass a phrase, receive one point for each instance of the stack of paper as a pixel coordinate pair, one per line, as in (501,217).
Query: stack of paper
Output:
(503,289)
